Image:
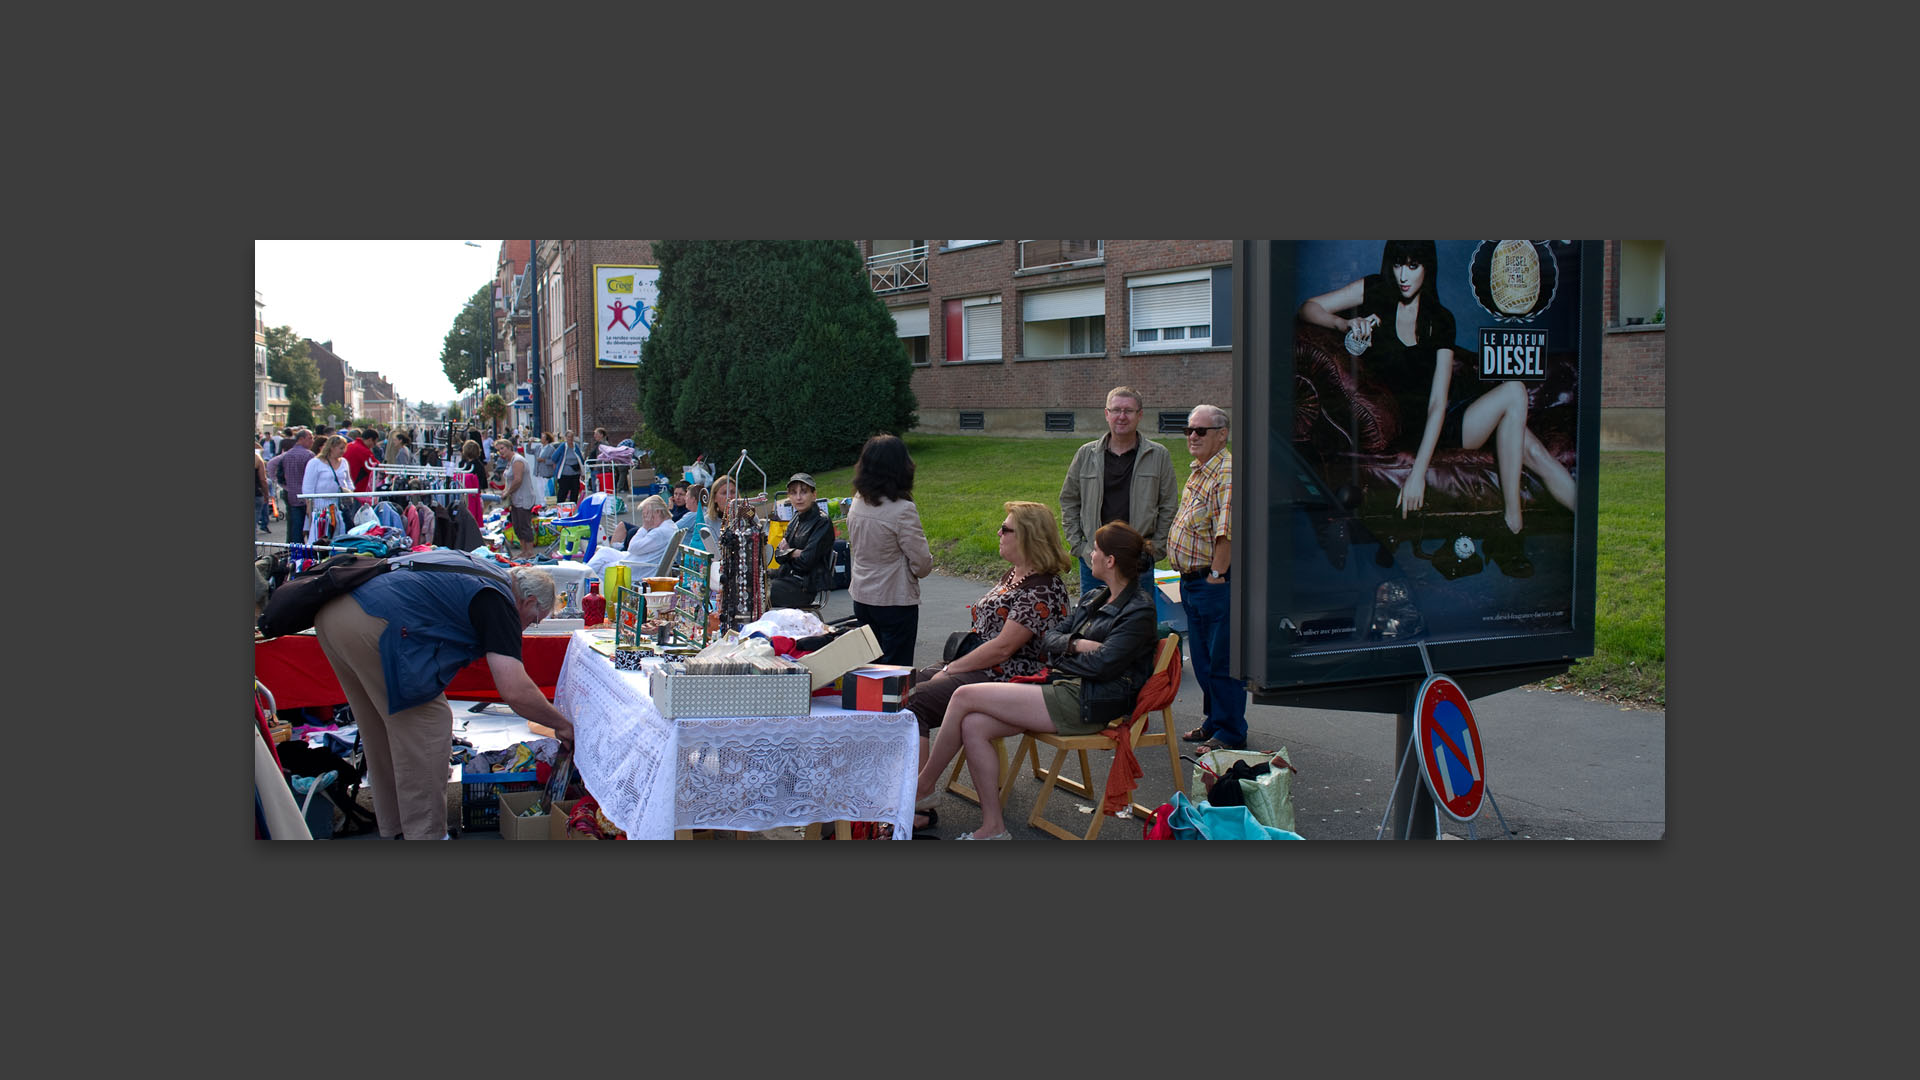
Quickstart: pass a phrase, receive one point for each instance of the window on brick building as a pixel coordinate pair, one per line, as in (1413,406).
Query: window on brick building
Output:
(1187,309)
(911,324)
(955,244)
(973,328)
(1642,279)
(1064,322)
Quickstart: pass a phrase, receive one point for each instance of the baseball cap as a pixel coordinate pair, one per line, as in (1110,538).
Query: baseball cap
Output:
(802,478)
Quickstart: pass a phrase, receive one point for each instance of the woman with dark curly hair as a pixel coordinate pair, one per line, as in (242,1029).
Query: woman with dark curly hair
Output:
(887,547)
(1404,337)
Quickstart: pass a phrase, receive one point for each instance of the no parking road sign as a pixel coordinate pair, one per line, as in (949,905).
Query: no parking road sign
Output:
(1449,748)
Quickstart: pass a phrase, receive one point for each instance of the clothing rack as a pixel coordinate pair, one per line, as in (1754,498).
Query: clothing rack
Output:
(310,547)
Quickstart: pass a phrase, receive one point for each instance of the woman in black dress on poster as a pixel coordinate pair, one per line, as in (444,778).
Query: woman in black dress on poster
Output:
(1405,337)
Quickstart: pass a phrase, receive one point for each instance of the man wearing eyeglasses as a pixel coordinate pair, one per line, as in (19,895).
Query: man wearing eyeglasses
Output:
(1118,477)
(1202,551)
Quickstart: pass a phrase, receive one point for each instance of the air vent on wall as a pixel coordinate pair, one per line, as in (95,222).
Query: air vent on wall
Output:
(973,421)
(1173,423)
(1059,421)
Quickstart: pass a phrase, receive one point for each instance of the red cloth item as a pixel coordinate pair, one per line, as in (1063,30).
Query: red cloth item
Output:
(782,645)
(297,672)
(1125,774)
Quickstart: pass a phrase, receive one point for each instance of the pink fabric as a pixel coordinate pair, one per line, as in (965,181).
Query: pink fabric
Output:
(472,482)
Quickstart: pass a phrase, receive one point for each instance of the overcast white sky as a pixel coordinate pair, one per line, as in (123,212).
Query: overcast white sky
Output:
(386,304)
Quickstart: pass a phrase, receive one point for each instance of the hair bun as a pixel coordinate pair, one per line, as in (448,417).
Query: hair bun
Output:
(1145,562)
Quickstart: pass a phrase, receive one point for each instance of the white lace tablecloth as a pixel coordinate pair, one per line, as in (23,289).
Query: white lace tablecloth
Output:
(652,775)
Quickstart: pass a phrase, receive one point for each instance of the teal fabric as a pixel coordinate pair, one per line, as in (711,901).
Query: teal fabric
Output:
(1205,821)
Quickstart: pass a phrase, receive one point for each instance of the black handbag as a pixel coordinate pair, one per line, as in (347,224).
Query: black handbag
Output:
(959,644)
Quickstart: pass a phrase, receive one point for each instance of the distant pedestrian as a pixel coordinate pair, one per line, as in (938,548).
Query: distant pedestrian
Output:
(262,490)
(290,469)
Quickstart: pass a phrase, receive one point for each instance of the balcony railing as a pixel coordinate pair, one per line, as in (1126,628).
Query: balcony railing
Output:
(893,271)
(1043,254)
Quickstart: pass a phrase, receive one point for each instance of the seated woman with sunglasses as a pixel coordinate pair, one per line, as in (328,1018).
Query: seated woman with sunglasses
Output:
(1098,661)
(1028,600)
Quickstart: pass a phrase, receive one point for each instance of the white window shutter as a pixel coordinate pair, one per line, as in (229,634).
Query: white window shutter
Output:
(911,321)
(1188,303)
(1066,303)
(983,332)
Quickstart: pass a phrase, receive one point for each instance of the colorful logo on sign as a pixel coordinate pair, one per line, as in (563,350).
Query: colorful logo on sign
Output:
(1449,747)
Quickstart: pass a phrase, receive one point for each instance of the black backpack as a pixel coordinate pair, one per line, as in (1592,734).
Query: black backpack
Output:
(293,605)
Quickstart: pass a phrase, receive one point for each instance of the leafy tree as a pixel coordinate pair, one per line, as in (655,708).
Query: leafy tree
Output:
(334,413)
(429,414)
(471,331)
(453,411)
(289,362)
(777,346)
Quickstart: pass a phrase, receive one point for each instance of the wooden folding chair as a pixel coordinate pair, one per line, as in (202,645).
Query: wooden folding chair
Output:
(965,790)
(1166,657)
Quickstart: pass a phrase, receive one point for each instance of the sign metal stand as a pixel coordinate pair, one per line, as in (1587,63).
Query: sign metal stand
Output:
(1419,807)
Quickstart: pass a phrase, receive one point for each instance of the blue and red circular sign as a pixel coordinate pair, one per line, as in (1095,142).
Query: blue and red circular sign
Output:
(1449,748)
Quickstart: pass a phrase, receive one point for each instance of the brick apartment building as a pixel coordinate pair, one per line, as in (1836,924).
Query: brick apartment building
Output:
(338,381)
(1024,337)
(576,395)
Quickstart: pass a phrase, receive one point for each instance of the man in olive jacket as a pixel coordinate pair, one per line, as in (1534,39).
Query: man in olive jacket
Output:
(1119,477)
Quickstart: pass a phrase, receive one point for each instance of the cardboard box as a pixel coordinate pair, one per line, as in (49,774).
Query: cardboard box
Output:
(515,827)
(876,688)
(855,648)
(557,820)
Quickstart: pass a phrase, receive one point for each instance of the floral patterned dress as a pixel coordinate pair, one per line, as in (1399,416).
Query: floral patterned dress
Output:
(1039,603)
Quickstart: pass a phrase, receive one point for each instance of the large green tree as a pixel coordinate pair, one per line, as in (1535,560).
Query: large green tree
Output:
(289,362)
(777,346)
(470,332)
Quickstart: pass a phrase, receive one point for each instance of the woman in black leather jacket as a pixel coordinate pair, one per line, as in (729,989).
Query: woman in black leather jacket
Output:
(1097,662)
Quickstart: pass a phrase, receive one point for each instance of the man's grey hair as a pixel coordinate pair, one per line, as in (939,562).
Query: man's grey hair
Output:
(657,503)
(1217,415)
(532,583)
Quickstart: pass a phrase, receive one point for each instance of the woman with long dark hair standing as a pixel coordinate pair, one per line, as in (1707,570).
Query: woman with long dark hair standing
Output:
(887,547)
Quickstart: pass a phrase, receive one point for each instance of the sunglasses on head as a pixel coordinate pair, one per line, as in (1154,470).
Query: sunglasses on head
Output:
(1203,430)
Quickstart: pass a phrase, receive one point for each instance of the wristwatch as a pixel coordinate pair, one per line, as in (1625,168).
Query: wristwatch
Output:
(1211,574)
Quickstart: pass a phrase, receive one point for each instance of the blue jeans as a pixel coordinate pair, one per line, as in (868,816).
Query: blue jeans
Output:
(296,521)
(1088,582)
(260,514)
(1223,698)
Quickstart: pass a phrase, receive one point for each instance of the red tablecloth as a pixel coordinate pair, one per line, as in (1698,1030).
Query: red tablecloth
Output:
(297,673)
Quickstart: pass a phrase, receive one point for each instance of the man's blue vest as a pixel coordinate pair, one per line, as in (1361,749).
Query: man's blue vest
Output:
(429,636)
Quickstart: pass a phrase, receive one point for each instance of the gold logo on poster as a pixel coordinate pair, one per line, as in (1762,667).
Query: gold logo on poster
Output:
(620,284)
(1514,277)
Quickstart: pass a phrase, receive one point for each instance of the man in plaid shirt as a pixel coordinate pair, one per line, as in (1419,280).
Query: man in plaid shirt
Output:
(1200,547)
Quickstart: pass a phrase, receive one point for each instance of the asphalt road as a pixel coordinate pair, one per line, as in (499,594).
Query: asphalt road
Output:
(1560,766)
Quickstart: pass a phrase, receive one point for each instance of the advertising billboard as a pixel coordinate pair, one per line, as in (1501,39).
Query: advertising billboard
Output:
(1430,412)
(624,299)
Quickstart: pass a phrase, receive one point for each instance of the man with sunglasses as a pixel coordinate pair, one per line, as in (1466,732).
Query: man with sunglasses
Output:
(1118,477)
(1202,551)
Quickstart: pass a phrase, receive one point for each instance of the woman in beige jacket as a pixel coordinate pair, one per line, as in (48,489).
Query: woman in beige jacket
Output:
(887,547)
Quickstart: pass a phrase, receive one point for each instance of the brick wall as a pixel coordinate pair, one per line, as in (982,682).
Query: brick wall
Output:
(610,396)
(1015,392)
(1633,368)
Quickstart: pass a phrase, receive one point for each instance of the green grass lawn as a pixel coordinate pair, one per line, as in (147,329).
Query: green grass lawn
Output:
(962,480)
